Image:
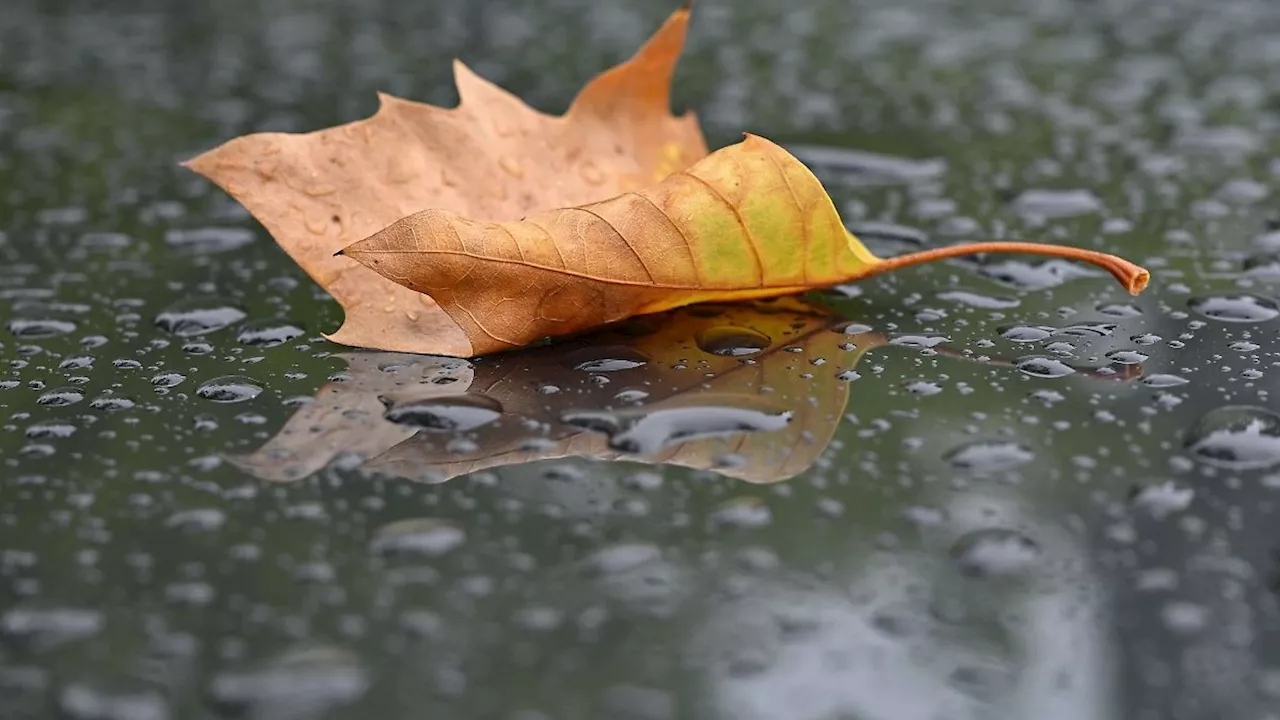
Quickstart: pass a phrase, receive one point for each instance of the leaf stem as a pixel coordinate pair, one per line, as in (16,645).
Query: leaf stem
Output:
(1133,277)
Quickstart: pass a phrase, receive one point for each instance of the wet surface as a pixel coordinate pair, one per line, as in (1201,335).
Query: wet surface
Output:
(992,488)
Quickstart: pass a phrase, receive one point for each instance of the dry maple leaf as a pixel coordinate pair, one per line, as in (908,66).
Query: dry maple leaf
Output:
(501,226)
(491,157)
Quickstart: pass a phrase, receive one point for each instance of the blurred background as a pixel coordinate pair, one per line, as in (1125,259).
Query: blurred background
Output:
(1039,497)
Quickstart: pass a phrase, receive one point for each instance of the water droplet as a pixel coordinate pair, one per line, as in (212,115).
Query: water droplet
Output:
(28,328)
(82,702)
(1236,436)
(168,380)
(50,430)
(229,389)
(1056,203)
(1164,380)
(744,512)
(644,432)
(604,359)
(1026,333)
(304,683)
(984,302)
(198,520)
(732,341)
(459,413)
(620,559)
(1163,499)
(995,552)
(1043,367)
(1127,357)
(208,239)
(45,628)
(1184,618)
(1235,308)
(853,328)
(512,166)
(418,536)
(1086,330)
(198,317)
(268,333)
(76,362)
(919,341)
(111,403)
(923,387)
(989,455)
(1120,310)
(60,397)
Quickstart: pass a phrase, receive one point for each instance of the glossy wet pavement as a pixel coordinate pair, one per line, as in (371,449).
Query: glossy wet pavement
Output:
(985,489)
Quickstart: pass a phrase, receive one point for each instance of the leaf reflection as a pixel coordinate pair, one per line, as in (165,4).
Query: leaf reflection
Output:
(751,391)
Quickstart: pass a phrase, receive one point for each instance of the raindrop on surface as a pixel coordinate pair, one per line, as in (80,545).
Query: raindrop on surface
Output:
(29,328)
(1056,203)
(1120,310)
(111,402)
(1235,308)
(49,627)
(620,559)
(982,302)
(745,512)
(168,380)
(989,455)
(923,388)
(1164,380)
(1236,436)
(1032,276)
(1163,500)
(459,413)
(268,333)
(305,683)
(83,702)
(1043,367)
(732,341)
(919,341)
(1026,333)
(50,430)
(197,317)
(643,433)
(606,359)
(853,328)
(1086,330)
(418,536)
(229,389)
(76,362)
(1127,357)
(995,552)
(60,397)
(197,520)
(208,239)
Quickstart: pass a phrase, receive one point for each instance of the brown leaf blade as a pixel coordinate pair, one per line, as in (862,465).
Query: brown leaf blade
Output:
(319,192)
(749,221)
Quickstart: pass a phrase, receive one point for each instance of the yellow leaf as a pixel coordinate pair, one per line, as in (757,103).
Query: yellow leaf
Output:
(491,157)
(749,221)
